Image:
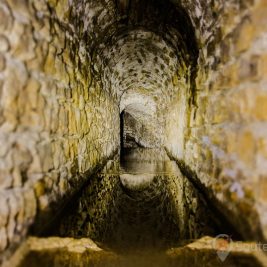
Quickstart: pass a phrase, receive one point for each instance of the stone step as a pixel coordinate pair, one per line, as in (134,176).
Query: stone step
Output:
(207,251)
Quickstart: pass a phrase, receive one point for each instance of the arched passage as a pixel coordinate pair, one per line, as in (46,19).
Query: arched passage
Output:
(190,74)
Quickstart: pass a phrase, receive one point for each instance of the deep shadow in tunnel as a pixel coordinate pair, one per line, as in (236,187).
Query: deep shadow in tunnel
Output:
(121,131)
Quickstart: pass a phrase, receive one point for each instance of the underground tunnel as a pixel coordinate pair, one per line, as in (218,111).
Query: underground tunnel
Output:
(133,132)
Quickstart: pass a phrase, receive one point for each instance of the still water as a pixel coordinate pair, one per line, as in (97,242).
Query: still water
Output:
(141,201)
(141,211)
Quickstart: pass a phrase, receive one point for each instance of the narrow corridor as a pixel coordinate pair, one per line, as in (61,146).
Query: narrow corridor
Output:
(133,133)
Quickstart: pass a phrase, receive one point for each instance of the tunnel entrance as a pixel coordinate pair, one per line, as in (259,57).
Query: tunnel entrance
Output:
(121,131)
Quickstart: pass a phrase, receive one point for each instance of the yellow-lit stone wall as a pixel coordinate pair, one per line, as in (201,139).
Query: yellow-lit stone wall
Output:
(223,146)
(63,64)
(56,123)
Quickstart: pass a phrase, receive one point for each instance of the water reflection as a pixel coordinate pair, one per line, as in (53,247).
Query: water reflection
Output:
(140,201)
(145,161)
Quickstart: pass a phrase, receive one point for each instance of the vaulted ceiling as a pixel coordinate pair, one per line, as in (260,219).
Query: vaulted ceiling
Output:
(143,52)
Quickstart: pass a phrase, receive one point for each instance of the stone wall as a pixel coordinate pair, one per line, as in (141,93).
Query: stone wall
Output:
(56,122)
(197,76)
(223,147)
